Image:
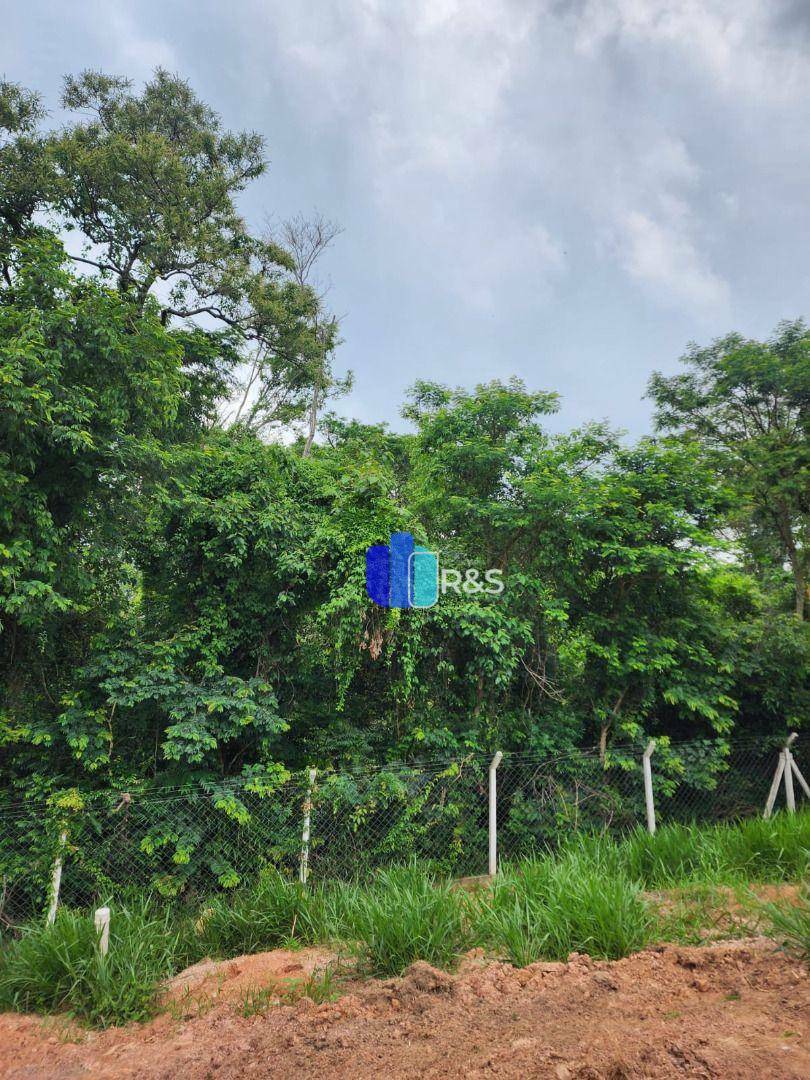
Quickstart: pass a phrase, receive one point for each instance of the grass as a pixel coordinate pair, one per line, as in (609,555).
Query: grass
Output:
(59,968)
(790,926)
(408,913)
(276,912)
(320,986)
(728,853)
(587,897)
(548,907)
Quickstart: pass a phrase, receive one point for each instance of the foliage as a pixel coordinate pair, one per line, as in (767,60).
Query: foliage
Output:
(59,967)
(182,601)
(747,403)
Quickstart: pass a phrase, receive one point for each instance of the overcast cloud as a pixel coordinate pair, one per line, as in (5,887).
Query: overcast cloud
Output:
(567,191)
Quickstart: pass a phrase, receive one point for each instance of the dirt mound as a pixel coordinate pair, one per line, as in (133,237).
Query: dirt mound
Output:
(738,1009)
(218,981)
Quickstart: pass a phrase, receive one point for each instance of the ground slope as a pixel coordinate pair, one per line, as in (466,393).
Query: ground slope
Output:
(740,1009)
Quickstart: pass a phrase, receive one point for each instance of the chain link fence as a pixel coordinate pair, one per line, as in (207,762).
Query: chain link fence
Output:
(187,843)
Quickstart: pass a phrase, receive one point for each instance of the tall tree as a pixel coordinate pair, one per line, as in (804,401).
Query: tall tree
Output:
(88,390)
(748,403)
(148,182)
(306,240)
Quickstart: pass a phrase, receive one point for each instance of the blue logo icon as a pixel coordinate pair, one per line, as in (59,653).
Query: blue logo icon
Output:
(402,574)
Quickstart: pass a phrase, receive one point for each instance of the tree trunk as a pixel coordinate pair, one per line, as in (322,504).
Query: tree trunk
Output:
(313,423)
(795,558)
(603,734)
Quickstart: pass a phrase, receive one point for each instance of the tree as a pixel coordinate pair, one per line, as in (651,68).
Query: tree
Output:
(89,388)
(301,389)
(25,173)
(306,241)
(748,404)
(183,603)
(148,182)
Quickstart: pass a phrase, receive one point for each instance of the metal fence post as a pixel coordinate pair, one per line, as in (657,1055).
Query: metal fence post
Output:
(493,814)
(56,878)
(102,923)
(304,869)
(648,788)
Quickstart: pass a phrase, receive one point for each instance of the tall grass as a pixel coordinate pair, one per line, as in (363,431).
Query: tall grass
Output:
(60,968)
(408,913)
(750,850)
(586,897)
(273,913)
(546,908)
(790,925)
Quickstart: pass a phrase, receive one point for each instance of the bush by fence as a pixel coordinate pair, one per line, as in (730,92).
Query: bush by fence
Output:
(190,842)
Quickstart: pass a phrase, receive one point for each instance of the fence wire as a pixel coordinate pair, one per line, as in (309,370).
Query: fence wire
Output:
(188,843)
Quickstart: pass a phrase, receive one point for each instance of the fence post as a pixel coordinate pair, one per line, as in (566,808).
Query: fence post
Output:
(648,788)
(493,814)
(777,779)
(798,776)
(304,869)
(56,877)
(790,796)
(102,923)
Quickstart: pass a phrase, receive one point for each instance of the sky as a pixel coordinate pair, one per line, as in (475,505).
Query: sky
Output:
(569,191)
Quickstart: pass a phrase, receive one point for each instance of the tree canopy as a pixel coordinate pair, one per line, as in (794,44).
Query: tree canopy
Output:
(182,597)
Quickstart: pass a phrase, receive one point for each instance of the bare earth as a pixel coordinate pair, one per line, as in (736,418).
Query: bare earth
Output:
(738,1009)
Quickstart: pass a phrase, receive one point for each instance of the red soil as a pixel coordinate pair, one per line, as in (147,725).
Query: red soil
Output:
(739,1009)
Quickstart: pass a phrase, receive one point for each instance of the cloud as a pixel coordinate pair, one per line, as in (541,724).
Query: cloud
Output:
(513,175)
(656,233)
(130,46)
(500,134)
(663,257)
(732,41)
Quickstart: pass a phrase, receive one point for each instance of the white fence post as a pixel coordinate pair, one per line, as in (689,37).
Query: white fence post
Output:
(648,788)
(493,814)
(56,878)
(797,774)
(102,922)
(790,796)
(786,770)
(777,779)
(304,869)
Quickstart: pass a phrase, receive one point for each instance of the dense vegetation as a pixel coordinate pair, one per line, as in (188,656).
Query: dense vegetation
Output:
(182,590)
(588,897)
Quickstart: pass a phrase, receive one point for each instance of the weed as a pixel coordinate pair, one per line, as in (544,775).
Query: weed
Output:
(275,912)
(257,999)
(319,987)
(751,850)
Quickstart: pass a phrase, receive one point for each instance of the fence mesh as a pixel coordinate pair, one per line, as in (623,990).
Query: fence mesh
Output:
(191,842)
